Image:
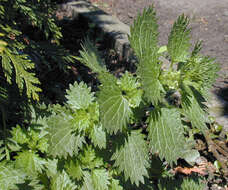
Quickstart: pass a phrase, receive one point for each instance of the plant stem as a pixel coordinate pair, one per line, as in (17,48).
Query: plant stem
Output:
(4,132)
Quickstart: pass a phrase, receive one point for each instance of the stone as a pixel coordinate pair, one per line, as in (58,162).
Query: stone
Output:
(116,31)
(225,13)
(226,38)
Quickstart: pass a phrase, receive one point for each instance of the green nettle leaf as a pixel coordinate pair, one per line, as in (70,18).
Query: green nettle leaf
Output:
(130,86)
(18,135)
(30,162)
(82,120)
(90,57)
(166,134)
(74,169)
(192,184)
(89,159)
(88,183)
(132,158)
(194,112)
(100,179)
(115,185)
(127,82)
(79,96)
(143,35)
(51,167)
(62,182)
(98,137)
(62,140)
(201,72)
(179,40)
(143,40)
(9,176)
(183,184)
(114,107)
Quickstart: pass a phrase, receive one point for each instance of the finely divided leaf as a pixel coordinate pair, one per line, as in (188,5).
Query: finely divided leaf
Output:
(114,107)
(132,158)
(179,40)
(100,179)
(24,77)
(79,96)
(9,176)
(166,134)
(62,140)
(143,40)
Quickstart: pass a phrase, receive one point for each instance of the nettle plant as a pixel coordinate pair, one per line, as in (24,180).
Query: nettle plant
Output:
(96,139)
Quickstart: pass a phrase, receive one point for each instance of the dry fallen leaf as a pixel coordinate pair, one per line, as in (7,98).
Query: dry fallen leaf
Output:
(188,171)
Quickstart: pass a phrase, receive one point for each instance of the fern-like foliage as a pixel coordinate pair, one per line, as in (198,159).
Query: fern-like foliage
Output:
(23,68)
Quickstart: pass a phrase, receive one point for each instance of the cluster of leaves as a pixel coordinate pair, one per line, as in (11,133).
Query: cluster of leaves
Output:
(29,50)
(67,148)
(95,142)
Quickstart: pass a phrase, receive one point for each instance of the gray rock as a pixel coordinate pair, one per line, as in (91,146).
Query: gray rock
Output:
(225,13)
(116,31)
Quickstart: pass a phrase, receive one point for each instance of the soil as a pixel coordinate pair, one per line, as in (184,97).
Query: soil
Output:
(209,22)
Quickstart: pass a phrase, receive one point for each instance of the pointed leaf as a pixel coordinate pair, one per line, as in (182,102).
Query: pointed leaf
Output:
(9,176)
(166,134)
(143,40)
(62,182)
(132,158)
(194,112)
(79,96)
(74,169)
(62,140)
(91,58)
(30,163)
(144,35)
(100,179)
(179,40)
(98,137)
(88,183)
(115,185)
(114,107)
